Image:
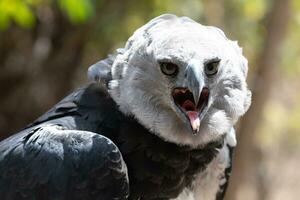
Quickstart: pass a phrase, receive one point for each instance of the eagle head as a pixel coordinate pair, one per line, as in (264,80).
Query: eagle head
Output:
(183,81)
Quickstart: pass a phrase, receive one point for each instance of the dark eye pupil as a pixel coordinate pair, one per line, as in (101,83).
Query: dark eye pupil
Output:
(210,67)
(170,67)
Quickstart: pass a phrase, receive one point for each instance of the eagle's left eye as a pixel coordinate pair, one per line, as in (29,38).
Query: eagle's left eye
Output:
(169,69)
(211,67)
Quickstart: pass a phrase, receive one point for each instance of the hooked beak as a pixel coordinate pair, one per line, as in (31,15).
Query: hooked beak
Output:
(192,98)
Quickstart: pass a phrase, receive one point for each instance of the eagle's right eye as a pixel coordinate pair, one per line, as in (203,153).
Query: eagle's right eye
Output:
(169,69)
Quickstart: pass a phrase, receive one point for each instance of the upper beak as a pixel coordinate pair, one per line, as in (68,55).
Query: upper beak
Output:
(194,81)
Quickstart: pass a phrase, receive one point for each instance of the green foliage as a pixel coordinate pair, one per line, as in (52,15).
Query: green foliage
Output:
(78,11)
(254,10)
(23,12)
(18,11)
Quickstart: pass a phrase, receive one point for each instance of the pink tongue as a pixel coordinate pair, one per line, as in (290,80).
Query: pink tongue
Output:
(194,119)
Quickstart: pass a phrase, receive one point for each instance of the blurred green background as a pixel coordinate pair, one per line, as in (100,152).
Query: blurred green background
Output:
(46,47)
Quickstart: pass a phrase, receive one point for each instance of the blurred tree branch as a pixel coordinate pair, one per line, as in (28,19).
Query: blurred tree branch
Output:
(248,155)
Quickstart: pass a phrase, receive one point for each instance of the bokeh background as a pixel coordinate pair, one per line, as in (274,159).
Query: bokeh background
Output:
(46,47)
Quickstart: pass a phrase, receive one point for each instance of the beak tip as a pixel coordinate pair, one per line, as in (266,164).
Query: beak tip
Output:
(196,126)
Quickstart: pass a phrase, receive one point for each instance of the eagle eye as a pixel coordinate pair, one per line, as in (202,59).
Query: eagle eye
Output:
(211,67)
(169,69)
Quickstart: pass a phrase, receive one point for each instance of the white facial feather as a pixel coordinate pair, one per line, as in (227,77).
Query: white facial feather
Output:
(142,90)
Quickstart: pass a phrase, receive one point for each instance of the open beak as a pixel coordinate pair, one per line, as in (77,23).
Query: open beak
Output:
(192,99)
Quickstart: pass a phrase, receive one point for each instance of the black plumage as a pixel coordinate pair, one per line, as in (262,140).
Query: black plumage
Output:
(77,151)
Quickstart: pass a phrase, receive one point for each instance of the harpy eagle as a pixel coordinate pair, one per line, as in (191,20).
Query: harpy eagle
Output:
(156,123)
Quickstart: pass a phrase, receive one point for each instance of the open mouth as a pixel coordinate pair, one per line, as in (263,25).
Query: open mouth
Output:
(184,100)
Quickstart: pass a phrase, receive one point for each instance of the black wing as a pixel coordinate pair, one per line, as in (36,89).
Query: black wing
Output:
(48,162)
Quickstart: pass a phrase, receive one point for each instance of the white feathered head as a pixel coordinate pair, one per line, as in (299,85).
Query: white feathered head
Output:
(184,81)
